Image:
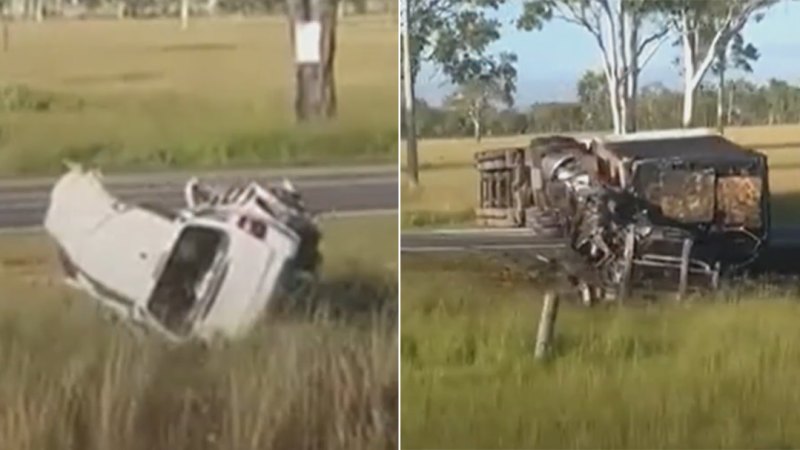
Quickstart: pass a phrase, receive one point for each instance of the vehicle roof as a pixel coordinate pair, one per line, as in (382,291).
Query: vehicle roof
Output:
(712,146)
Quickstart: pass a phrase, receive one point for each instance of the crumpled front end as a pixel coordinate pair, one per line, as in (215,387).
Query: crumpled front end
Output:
(278,206)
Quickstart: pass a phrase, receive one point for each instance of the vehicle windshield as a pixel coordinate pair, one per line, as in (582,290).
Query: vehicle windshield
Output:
(187,281)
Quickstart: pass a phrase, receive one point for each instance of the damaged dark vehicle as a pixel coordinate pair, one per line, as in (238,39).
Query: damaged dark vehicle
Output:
(671,208)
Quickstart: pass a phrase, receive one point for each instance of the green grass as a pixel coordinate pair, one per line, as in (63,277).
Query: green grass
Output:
(71,380)
(146,95)
(710,373)
(448,182)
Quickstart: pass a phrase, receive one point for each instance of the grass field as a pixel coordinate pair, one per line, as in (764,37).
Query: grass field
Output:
(713,372)
(144,94)
(70,380)
(448,182)
(702,375)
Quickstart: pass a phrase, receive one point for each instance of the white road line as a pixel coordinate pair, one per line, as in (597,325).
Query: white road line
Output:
(465,231)
(332,215)
(442,249)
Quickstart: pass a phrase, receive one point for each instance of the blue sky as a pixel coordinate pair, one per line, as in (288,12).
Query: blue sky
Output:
(551,60)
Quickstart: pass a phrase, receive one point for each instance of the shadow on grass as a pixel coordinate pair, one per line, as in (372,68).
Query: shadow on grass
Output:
(351,297)
(422,219)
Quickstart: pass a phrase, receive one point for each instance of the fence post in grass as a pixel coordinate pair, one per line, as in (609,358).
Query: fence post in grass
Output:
(547,324)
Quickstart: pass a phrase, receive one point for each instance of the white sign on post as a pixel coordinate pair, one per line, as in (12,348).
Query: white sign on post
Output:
(307,37)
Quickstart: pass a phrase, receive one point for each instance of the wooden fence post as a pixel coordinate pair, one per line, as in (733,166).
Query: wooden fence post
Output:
(547,323)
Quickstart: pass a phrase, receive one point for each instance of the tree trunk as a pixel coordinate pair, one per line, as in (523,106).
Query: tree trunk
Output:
(211,7)
(688,107)
(315,87)
(688,44)
(621,65)
(731,96)
(613,96)
(121,10)
(17,9)
(412,167)
(476,129)
(328,58)
(721,93)
(633,74)
(184,14)
(39,10)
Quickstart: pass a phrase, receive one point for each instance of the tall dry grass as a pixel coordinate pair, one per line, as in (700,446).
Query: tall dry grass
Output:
(708,373)
(320,377)
(316,384)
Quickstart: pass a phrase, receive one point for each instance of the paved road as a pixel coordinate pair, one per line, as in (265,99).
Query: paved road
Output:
(516,239)
(341,190)
(475,239)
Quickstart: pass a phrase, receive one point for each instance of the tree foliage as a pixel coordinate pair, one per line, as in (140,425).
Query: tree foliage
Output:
(659,107)
(627,34)
(474,98)
(706,29)
(454,36)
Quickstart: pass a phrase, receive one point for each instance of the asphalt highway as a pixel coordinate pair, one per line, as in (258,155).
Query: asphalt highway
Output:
(784,244)
(348,190)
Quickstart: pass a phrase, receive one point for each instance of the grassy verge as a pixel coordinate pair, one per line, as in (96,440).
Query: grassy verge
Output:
(448,182)
(144,94)
(69,379)
(697,375)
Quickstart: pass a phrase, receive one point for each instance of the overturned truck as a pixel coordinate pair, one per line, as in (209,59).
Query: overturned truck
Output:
(676,207)
(209,268)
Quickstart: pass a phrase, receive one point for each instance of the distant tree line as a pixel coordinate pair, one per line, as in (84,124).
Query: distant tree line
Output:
(43,9)
(456,37)
(658,107)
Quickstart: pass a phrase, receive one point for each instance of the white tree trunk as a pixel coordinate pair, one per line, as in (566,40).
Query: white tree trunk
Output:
(184,14)
(721,93)
(612,83)
(688,106)
(689,53)
(616,30)
(613,96)
(693,70)
(211,7)
(39,5)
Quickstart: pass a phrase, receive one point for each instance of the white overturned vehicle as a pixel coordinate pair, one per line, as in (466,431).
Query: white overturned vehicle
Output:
(211,268)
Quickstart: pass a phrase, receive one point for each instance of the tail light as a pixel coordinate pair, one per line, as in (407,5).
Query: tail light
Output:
(255,227)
